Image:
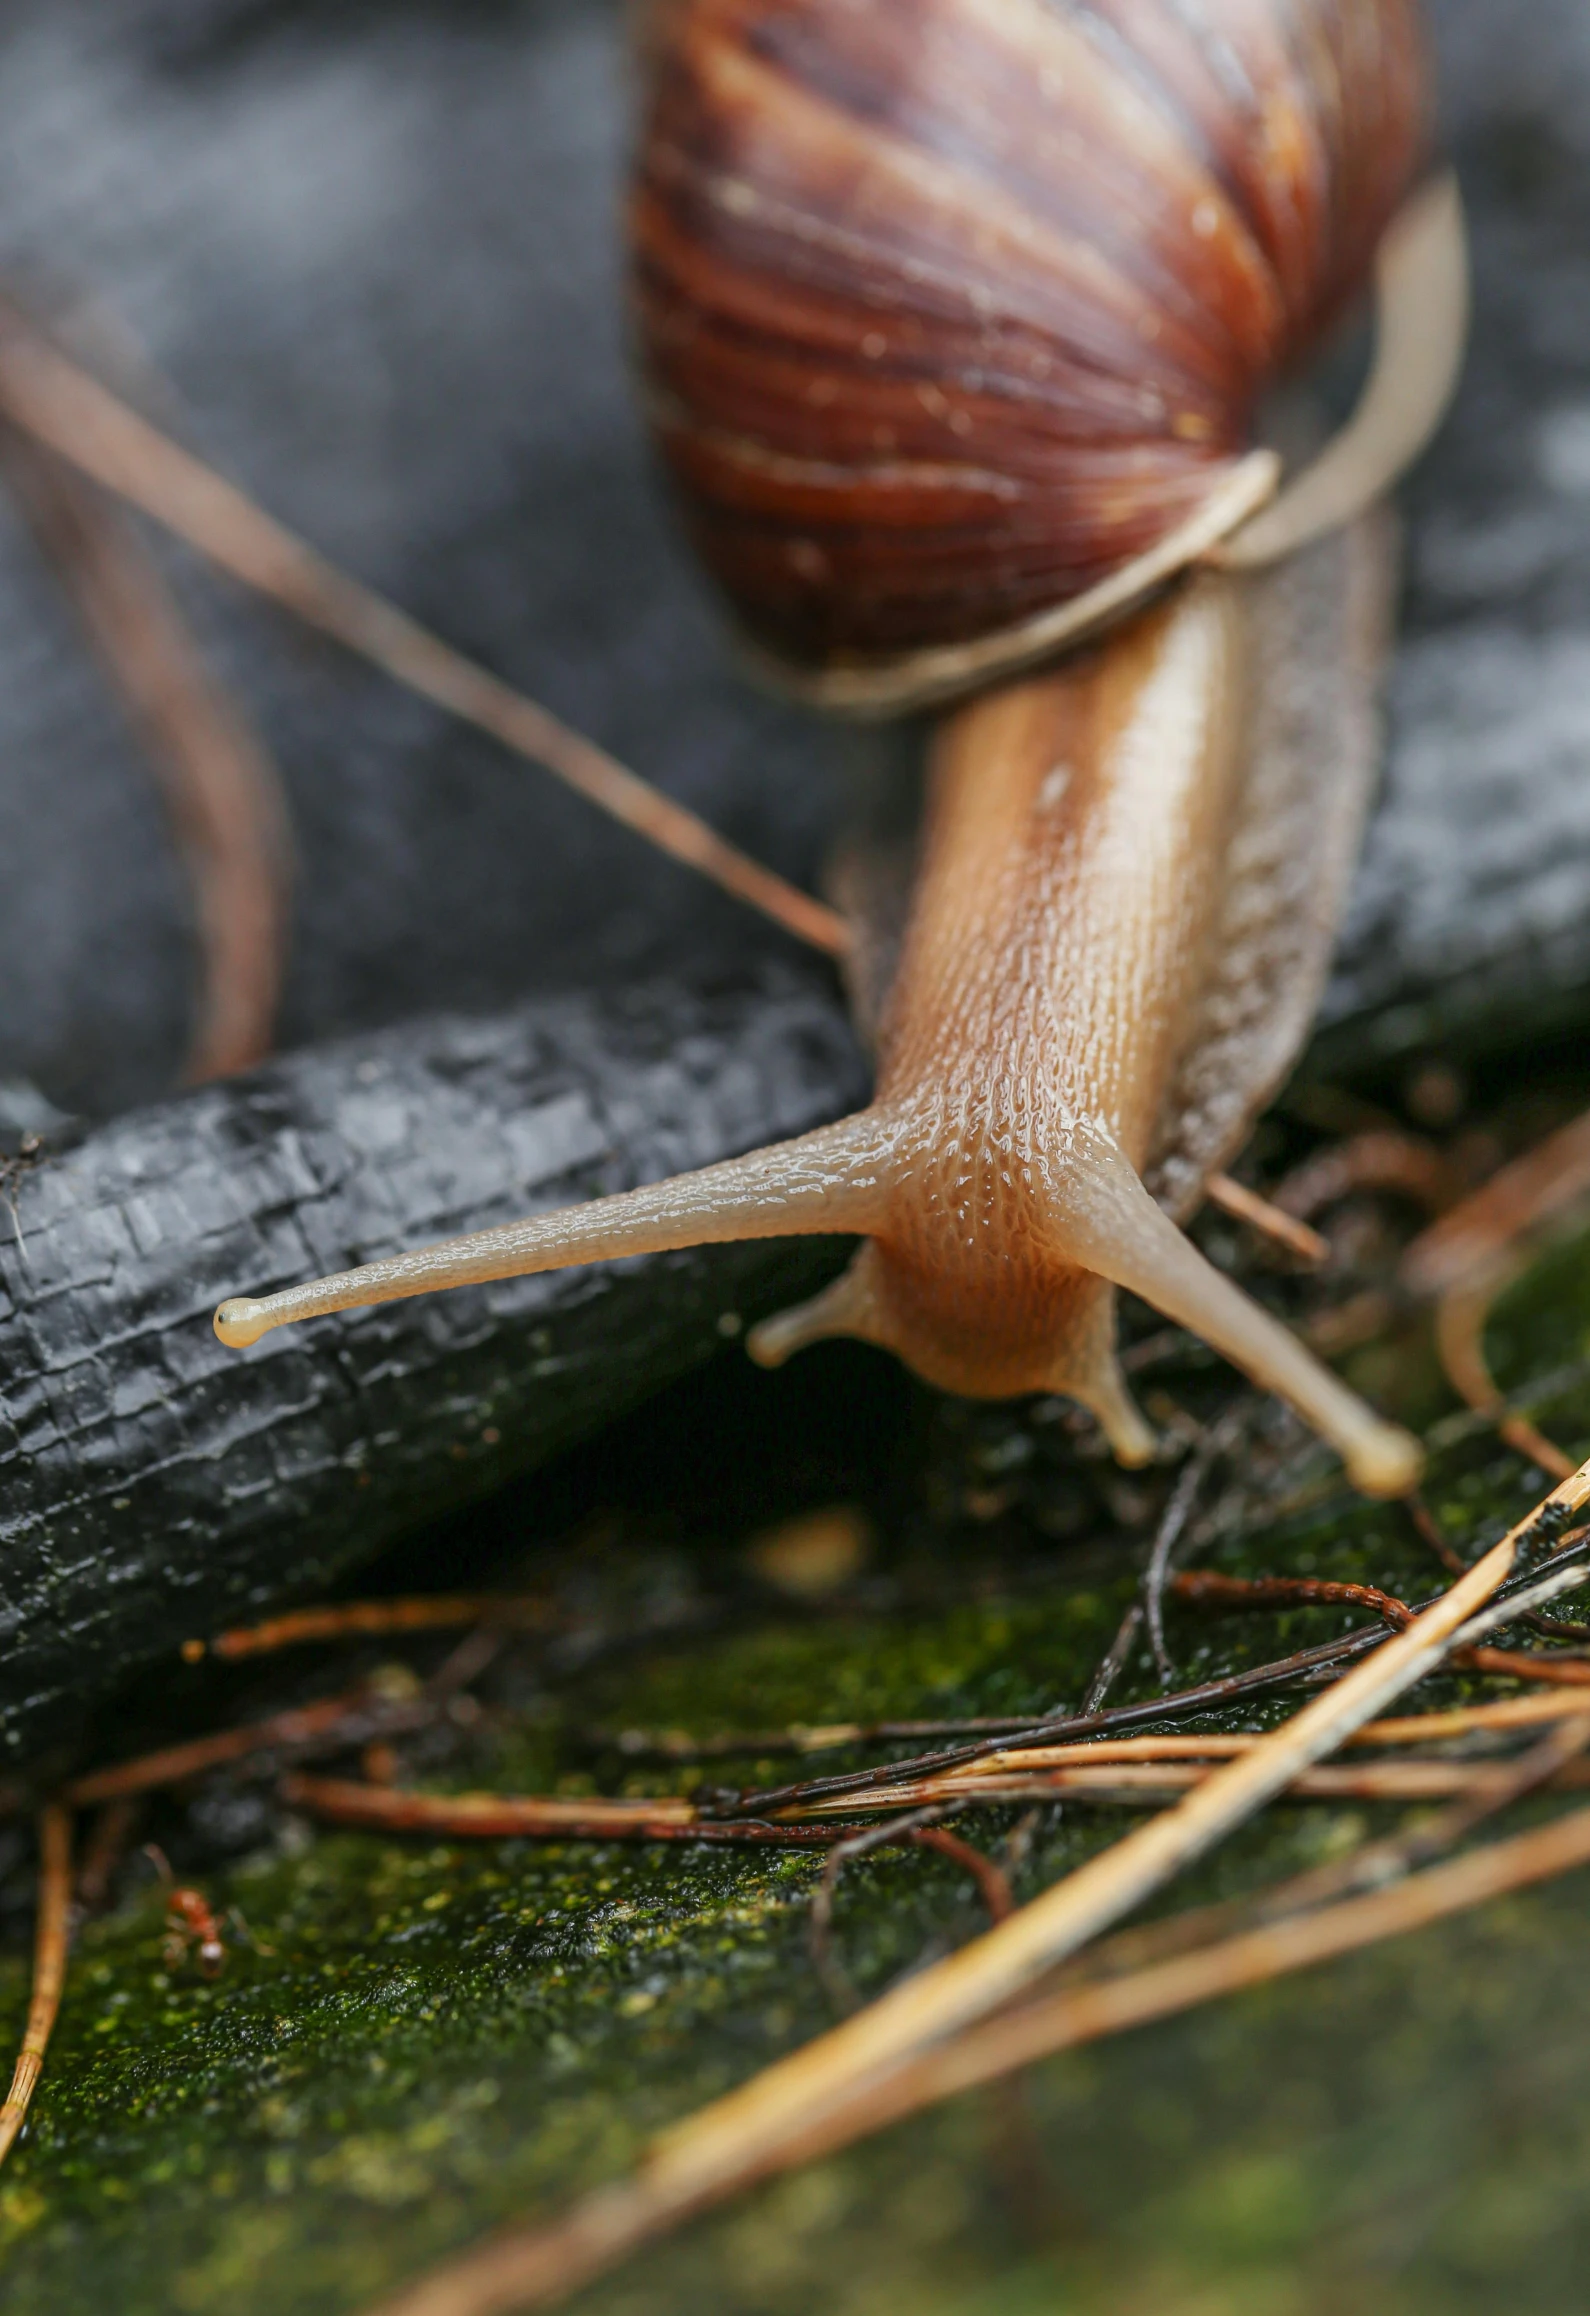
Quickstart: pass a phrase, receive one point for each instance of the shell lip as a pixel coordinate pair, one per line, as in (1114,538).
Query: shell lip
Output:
(905,682)
(1422,302)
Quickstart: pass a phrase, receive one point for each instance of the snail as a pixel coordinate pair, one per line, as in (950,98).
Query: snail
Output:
(954,321)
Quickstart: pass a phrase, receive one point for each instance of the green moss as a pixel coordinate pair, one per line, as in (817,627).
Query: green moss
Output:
(425,2038)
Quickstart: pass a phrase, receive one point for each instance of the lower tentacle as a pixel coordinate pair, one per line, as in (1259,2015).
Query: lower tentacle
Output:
(1114,1227)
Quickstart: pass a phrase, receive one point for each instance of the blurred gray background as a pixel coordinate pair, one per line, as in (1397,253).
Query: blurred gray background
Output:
(366,258)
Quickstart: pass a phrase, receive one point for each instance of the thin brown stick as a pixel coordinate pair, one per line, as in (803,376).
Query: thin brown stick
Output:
(1560,1671)
(1148,1785)
(360,1619)
(1471,1720)
(799,1737)
(1019,2161)
(1460,1318)
(1344,1326)
(347,1802)
(222,791)
(1428,1533)
(481,1816)
(538,2267)
(330,1722)
(836,1980)
(1211,1590)
(1268,1219)
(993,1883)
(1206,1587)
(1542,1188)
(109,1839)
(1379,1160)
(1467,1259)
(1115,1659)
(50,1941)
(1176,1515)
(59,404)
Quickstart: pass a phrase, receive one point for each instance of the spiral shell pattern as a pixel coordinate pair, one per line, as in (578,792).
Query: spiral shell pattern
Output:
(950,308)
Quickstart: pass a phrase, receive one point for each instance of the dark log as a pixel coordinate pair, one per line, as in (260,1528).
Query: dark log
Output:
(153,1485)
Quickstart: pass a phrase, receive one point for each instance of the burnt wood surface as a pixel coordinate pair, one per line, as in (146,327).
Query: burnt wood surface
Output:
(154,1484)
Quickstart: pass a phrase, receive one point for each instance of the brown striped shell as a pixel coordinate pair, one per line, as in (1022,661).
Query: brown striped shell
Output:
(949,309)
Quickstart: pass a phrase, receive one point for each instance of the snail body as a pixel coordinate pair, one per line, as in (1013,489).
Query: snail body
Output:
(1112,952)
(927,430)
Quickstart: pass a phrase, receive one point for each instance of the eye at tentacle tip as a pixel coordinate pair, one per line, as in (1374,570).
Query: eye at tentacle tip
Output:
(238,1323)
(1385,1461)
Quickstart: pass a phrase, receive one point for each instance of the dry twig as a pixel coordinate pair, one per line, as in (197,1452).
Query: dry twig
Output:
(222,791)
(820,1920)
(1268,1218)
(1546,1186)
(51,399)
(362,1619)
(1473,1254)
(1177,1513)
(50,1941)
(1460,1318)
(1114,1661)
(329,1724)
(1142,1785)
(109,1838)
(1381,1159)
(1206,1588)
(346,1801)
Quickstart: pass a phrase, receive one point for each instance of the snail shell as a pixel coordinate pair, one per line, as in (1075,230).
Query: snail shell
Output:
(950,310)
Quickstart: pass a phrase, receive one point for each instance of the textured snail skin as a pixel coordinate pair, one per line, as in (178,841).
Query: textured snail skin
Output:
(948,310)
(951,309)
(1132,870)
(1118,930)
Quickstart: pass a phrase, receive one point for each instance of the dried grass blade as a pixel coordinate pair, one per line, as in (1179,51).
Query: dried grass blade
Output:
(222,790)
(60,405)
(50,1942)
(538,2267)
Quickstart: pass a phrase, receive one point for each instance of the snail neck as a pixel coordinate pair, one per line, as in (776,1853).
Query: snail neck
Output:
(1077,824)
(1053,972)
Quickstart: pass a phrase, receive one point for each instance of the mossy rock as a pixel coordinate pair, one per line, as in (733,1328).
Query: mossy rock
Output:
(415,2040)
